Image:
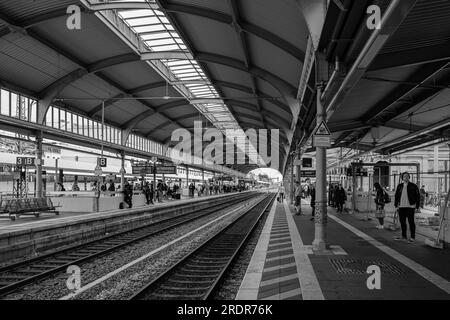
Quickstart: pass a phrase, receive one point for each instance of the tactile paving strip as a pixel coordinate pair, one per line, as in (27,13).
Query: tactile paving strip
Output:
(359,266)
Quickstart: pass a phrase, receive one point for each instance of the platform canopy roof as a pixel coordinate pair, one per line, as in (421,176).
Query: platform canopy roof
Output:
(390,91)
(161,65)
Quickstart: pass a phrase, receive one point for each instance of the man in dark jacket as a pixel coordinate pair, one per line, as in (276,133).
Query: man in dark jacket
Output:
(128,194)
(340,196)
(407,201)
(312,192)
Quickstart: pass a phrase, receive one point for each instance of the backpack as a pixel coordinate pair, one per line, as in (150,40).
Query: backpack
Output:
(386,197)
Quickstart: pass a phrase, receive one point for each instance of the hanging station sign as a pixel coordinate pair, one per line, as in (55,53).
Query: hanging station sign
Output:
(142,169)
(166,169)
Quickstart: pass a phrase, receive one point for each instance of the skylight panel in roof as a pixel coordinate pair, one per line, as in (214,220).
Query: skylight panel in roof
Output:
(155,29)
(194,86)
(144,21)
(182,68)
(190,78)
(163,47)
(150,27)
(186,69)
(155,35)
(187,74)
(159,42)
(146,30)
(177,62)
(134,13)
(200,91)
(204,95)
(164,20)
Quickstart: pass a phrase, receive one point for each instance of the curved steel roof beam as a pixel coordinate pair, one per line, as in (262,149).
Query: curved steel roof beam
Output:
(245,26)
(162,125)
(131,124)
(112,62)
(286,124)
(286,89)
(48,95)
(218,83)
(186,9)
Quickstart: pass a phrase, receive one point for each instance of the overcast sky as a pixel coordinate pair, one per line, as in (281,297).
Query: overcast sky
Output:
(272,173)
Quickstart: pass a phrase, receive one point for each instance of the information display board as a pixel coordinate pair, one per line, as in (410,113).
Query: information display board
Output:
(166,169)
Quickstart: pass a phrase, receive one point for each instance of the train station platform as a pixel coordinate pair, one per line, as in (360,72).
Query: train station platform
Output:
(284,266)
(49,219)
(31,236)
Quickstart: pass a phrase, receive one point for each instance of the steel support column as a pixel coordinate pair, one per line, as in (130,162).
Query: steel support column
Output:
(122,170)
(299,177)
(292,181)
(187,176)
(39,187)
(320,215)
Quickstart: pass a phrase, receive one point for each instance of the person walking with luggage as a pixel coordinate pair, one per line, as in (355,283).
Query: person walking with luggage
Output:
(407,201)
(340,196)
(381,198)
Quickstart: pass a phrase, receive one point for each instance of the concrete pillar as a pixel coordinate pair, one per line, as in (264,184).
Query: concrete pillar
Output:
(39,188)
(320,215)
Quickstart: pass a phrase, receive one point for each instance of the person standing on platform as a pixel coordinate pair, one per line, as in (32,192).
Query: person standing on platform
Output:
(112,187)
(281,192)
(407,201)
(312,193)
(148,192)
(128,194)
(380,201)
(159,191)
(340,196)
(423,195)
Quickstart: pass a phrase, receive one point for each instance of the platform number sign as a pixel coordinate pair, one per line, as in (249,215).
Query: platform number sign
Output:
(25,161)
(102,162)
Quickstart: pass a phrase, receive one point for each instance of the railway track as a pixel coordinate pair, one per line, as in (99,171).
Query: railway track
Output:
(15,276)
(197,275)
